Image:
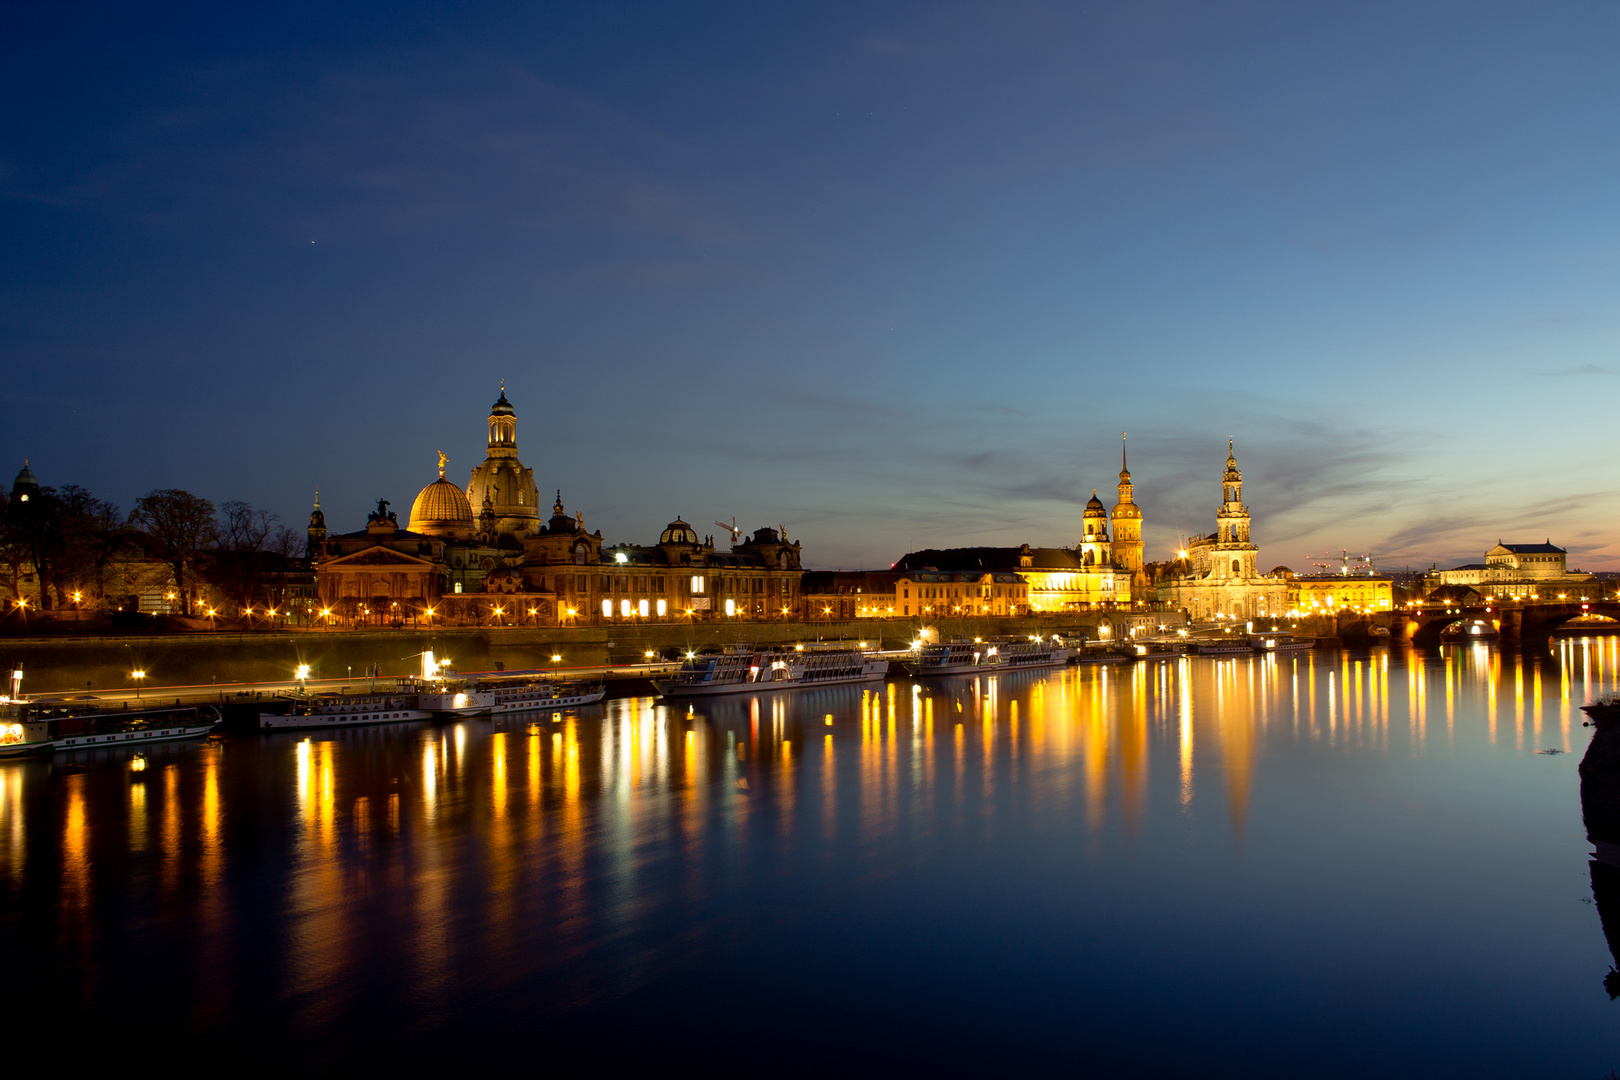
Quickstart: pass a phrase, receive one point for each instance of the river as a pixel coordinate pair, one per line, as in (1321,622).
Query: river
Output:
(1322,865)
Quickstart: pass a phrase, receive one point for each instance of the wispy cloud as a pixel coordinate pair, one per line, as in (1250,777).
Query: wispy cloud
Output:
(1579,369)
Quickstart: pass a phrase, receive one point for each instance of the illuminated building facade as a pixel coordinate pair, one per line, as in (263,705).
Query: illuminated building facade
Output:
(1516,571)
(1327,593)
(1127,546)
(1052,579)
(1220,576)
(482,555)
(885,594)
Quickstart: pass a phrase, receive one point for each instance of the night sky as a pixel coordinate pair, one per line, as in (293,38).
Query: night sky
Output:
(893,276)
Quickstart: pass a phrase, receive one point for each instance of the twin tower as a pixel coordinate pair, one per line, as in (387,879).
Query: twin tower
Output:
(1125,550)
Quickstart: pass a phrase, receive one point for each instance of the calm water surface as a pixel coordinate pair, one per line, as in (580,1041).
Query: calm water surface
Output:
(1330,865)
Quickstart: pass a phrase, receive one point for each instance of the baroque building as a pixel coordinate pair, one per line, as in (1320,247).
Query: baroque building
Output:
(1098,572)
(1517,572)
(1219,574)
(483,556)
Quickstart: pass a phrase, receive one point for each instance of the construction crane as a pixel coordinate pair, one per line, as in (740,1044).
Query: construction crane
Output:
(736,533)
(1345,564)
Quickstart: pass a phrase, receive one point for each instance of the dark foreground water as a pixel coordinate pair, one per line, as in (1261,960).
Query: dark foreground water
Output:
(1323,866)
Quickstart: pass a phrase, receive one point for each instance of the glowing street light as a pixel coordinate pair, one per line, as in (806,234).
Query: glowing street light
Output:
(138,675)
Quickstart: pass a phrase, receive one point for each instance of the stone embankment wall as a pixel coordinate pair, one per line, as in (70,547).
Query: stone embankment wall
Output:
(58,664)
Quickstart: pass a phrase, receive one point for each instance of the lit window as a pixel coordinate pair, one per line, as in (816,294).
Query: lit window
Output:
(458,586)
(731,607)
(624,608)
(662,607)
(607,609)
(697,584)
(642,607)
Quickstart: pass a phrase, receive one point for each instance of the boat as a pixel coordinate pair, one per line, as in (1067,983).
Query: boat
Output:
(1472,631)
(335,710)
(45,725)
(456,700)
(1105,655)
(1010,653)
(1223,646)
(1280,641)
(947,658)
(533,691)
(742,670)
(985,657)
(1154,651)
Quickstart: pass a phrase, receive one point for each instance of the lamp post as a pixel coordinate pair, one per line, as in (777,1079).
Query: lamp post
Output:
(138,674)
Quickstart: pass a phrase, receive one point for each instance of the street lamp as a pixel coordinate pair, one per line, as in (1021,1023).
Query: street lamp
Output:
(138,675)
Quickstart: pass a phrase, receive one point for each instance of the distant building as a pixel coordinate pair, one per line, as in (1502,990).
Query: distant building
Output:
(1219,576)
(1327,593)
(482,554)
(927,593)
(1098,572)
(1515,571)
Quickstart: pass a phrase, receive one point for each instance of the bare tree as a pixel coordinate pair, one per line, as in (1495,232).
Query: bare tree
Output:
(181,526)
(237,562)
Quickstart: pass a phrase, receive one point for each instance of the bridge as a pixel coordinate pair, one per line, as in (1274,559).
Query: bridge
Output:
(1527,626)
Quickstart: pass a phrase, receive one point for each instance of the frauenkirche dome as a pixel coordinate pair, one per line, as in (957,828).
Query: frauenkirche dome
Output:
(503,480)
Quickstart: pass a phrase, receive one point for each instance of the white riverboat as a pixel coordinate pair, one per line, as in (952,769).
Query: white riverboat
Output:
(44,725)
(537,691)
(1222,646)
(947,658)
(335,710)
(1010,653)
(987,657)
(1280,641)
(746,670)
(457,701)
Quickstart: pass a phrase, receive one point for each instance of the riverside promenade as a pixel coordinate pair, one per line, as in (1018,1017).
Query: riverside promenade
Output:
(104,665)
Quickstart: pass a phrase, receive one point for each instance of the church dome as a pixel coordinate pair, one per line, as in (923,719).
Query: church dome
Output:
(1094,505)
(678,532)
(441,508)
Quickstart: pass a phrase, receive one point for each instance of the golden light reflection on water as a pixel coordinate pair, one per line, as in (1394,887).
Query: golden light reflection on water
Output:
(553,806)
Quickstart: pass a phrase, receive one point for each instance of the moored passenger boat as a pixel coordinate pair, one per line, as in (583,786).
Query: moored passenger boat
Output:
(743,670)
(534,691)
(1280,641)
(986,657)
(1221,646)
(300,710)
(45,725)
(457,701)
(1043,652)
(947,658)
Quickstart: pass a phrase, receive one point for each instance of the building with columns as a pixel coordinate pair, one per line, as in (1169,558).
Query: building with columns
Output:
(1219,575)
(483,556)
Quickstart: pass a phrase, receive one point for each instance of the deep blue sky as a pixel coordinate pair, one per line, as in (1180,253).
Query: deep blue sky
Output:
(895,276)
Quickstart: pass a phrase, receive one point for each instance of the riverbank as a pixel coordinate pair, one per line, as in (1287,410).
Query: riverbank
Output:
(93,663)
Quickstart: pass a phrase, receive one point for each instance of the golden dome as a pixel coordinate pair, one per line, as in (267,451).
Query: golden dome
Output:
(441,508)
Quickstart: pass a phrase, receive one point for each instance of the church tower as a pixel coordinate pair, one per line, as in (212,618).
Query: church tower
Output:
(317,530)
(1233,556)
(502,482)
(1095,553)
(1127,520)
